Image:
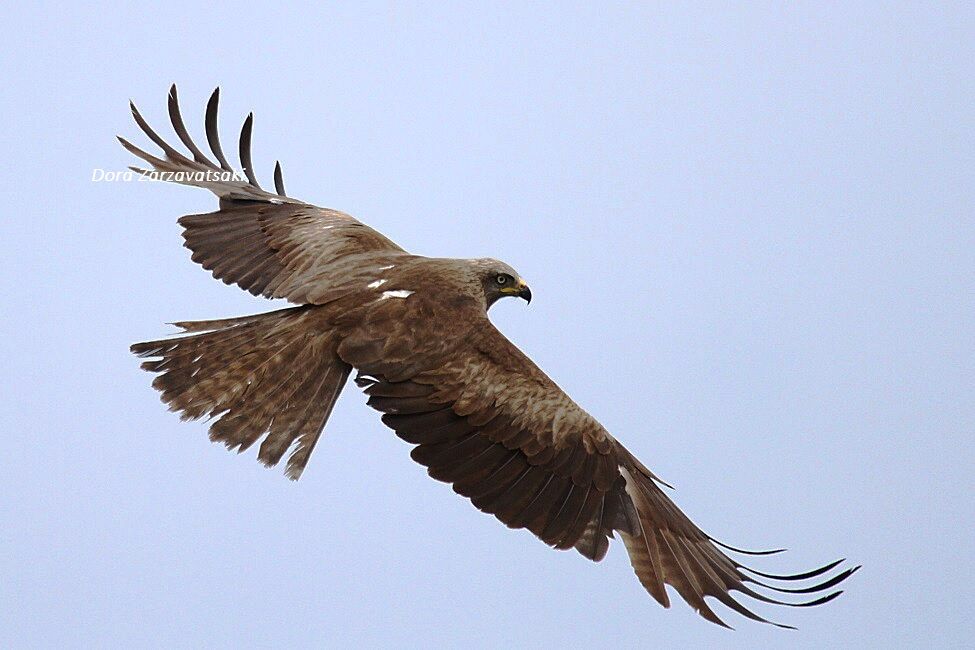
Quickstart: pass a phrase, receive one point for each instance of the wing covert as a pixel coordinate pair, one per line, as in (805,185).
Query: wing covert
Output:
(483,421)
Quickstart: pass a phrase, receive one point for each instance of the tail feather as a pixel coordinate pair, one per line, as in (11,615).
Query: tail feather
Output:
(300,411)
(275,373)
(307,436)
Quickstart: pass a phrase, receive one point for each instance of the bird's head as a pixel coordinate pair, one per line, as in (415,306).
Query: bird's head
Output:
(500,281)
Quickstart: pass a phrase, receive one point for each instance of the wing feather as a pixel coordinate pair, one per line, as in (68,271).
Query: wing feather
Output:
(491,423)
(265,242)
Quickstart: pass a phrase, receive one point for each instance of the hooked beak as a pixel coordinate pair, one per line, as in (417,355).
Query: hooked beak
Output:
(520,289)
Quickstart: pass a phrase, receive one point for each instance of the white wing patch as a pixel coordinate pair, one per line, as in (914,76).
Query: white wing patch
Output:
(377,284)
(396,293)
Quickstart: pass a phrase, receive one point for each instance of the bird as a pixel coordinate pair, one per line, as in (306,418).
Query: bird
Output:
(479,414)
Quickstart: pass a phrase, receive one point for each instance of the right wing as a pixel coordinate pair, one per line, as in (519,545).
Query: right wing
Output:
(266,243)
(492,424)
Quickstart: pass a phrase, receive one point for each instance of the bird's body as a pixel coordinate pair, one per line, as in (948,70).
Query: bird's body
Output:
(415,330)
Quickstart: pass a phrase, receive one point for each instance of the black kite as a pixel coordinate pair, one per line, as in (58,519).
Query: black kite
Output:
(481,415)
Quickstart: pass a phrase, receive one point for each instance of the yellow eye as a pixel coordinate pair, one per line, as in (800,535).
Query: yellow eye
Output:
(501,279)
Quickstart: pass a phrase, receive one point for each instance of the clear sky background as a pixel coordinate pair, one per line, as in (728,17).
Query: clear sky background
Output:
(750,237)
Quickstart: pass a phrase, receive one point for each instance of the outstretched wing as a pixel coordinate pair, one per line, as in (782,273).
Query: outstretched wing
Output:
(492,424)
(265,242)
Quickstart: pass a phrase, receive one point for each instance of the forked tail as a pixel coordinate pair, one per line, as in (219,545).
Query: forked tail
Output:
(275,373)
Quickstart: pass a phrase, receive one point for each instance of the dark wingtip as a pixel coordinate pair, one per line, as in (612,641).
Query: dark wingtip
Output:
(213,136)
(278,179)
(745,551)
(796,576)
(819,601)
(176,119)
(245,150)
(823,586)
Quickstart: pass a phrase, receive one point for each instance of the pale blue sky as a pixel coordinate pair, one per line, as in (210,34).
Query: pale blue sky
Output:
(749,234)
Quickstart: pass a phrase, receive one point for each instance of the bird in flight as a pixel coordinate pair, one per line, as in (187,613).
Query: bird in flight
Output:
(479,413)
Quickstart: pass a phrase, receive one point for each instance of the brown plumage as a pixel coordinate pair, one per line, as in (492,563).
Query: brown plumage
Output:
(480,414)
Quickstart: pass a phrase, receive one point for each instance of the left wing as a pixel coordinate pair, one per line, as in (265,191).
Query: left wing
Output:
(265,242)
